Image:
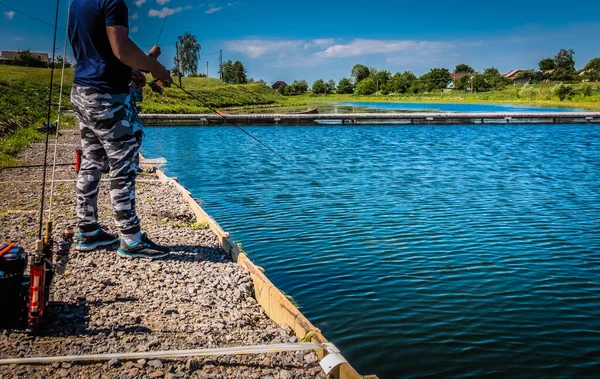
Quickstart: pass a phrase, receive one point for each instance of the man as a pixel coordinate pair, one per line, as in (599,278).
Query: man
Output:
(110,129)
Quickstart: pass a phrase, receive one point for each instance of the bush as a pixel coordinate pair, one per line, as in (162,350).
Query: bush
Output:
(563,91)
(527,92)
(367,86)
(587,89)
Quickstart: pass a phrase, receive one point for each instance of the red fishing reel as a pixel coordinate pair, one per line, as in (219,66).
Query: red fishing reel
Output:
(24,298)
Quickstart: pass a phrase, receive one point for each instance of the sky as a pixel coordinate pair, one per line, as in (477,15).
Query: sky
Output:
(288,40)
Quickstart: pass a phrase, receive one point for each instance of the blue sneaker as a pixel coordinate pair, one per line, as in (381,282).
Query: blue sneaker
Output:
(91,242)
(143,249)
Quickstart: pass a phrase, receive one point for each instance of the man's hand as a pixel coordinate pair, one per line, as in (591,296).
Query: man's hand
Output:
(159,72)
(155,52)
(138,77)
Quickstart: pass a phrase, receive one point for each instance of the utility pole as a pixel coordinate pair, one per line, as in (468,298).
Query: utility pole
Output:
(221,64)
(178,62)
(207,69)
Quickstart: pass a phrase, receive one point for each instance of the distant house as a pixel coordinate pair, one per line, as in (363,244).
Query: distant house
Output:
(9,56)
(513,77)
(279,86)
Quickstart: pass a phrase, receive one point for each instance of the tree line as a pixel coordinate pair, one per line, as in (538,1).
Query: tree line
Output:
(368,80)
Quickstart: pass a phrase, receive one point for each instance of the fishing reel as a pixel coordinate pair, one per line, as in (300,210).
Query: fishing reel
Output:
(24,298)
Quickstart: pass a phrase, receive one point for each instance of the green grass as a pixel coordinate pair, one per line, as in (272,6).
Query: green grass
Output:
(541,95)
(213,93)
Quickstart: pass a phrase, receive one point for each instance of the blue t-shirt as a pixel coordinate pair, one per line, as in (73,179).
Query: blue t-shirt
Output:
(97,67)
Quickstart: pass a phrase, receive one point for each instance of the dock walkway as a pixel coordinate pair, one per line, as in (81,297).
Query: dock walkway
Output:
(373,118)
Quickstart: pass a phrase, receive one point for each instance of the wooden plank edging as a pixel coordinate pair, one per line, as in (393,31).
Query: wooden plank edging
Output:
(276,306)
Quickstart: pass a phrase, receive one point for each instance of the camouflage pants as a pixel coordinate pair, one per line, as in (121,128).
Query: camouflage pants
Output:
(111,133)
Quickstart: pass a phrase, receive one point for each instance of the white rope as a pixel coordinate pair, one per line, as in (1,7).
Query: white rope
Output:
(62,82)
(75,180)
(238,350)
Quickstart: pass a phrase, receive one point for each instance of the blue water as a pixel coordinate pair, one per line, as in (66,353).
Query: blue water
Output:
(446,251)
(468,108)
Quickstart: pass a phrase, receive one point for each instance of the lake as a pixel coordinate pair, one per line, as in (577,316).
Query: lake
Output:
(460,251)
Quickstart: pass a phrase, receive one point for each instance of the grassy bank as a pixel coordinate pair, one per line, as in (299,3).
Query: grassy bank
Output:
(24,106)
(538,95)
(24,102)
(213,92)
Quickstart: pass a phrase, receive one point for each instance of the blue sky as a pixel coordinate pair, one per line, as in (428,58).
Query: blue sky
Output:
(285,40)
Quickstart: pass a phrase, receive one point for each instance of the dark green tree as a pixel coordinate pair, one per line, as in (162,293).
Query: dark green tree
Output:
(382,79)
(564,59)
(227,72)
(239,73)
(401,82)
(300,86)
(27,59)
(547,64)
(319,87)
(464,68)
(345,86)
(593,64)
(360,72)
(367,86)
(435,79)
(493,77)
(189,54)
(330,86)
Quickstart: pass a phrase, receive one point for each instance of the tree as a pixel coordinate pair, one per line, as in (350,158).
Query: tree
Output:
(319,87)
(227,72)
(593,64)
(564,59)
(401,82)
(239,73)
(563,74)
(367,86)
(464,68)
(562,91)
(27,59)
(494,79)
(360,72)
(547,64)
(479,83)
(382,79)
(345,86)
(435,79)
(59,63)
(299,86)
(592,69)
(330,86)
(189,54)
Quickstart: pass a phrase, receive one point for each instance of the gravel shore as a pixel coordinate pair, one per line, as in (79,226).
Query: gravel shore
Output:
(196,298)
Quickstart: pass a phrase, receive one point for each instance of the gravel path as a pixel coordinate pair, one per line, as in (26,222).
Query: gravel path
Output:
(196,298)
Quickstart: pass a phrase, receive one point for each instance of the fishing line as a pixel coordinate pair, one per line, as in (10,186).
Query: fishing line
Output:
(163,25)
(49,114)
(62,82)
(237,126)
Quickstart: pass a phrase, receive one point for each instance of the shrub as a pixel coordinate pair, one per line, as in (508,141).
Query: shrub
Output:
(527,92)
(587,89)
(563,91)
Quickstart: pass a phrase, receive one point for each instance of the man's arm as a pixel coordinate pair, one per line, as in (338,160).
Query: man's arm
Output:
(131,55)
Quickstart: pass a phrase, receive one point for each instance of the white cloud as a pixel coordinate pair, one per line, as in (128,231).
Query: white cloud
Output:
(212,10)
(135,16)
(10,14)
(162,2)
(164,12)
(255,47)
(360,47)
(134,29)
